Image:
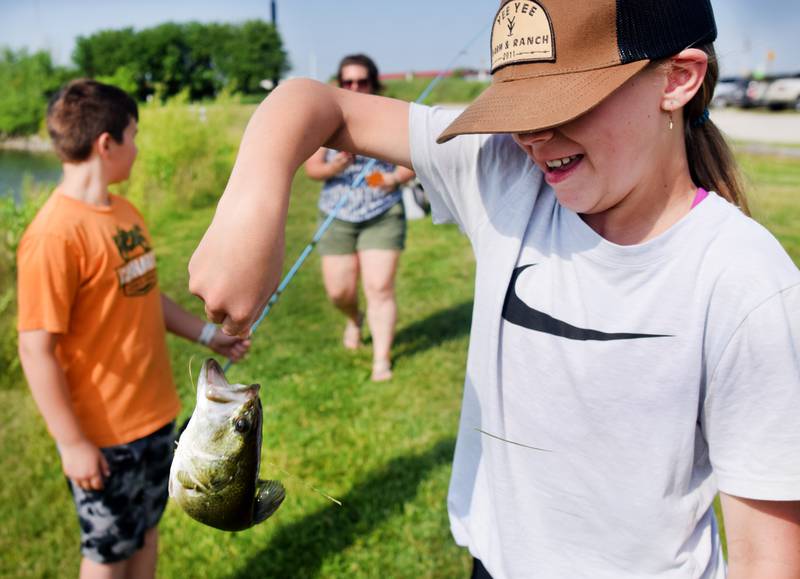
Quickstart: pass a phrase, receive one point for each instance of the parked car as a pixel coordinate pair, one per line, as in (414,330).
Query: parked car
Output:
(783,93)
(729,92)
(754,93)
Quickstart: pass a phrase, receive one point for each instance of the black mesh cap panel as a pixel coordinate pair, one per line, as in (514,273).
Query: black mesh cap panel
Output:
(654,29)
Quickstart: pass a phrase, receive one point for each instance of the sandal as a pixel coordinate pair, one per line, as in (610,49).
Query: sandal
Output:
(351,339)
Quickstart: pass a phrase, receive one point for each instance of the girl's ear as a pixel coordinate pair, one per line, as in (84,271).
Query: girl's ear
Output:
(684,76)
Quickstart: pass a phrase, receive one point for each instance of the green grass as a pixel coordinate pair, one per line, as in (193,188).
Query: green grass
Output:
(383,450)
(449,90)
(772,187)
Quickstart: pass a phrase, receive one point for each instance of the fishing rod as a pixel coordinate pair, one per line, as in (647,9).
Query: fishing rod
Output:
(357,181)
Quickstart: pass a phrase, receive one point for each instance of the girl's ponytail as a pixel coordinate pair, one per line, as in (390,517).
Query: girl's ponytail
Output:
(711,161)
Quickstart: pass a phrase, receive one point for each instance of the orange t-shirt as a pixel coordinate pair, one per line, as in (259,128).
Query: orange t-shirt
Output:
(88,274)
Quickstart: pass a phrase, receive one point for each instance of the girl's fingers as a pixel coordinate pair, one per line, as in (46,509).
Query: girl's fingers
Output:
(214,316)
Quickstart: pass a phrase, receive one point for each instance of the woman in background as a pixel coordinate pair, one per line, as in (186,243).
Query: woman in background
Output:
(367,235)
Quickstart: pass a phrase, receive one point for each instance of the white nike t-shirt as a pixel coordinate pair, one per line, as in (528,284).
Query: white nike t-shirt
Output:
(648,376)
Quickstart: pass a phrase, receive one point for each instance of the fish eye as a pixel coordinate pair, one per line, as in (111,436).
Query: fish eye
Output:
(242,425)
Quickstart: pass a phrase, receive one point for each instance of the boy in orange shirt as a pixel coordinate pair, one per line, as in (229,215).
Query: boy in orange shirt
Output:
(92,339)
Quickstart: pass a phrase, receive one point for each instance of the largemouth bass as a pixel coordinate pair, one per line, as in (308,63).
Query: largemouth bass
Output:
(214,475)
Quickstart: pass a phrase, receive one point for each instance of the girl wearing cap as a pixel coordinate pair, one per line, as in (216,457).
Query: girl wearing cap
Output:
(634,340)
(367,235)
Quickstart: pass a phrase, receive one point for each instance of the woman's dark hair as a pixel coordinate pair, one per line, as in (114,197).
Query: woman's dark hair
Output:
(366,62)
(711,162)
(83,110)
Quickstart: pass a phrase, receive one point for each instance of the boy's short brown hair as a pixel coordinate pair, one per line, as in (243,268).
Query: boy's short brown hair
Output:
(83,110)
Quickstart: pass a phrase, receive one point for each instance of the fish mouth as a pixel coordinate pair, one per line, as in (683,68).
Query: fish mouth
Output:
(218,389)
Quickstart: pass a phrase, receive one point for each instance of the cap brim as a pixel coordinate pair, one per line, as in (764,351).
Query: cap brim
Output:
(535,104)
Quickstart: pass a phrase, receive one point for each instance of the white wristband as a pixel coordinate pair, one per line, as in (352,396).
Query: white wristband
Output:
(207,334)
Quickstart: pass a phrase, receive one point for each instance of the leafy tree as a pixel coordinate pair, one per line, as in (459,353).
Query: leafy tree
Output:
(102,53)
(253,52)
(171,58)
(124,77)
(194,60)
(28,80)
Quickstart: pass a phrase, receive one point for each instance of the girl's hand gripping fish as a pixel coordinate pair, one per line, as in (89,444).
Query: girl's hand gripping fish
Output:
(214,475)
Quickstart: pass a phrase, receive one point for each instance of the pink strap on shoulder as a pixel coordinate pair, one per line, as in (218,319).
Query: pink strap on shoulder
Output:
(698,197)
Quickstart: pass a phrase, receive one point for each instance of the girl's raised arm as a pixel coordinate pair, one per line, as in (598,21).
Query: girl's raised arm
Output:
(237,264)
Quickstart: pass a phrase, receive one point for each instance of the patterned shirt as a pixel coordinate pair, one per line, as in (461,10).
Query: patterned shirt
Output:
(365,202)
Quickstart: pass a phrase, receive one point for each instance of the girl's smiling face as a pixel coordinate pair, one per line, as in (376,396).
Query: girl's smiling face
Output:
(620,146)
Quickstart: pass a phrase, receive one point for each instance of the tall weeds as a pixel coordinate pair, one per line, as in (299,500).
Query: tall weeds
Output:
(185,154)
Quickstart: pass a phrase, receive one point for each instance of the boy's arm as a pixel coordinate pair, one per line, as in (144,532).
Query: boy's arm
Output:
(81,460)
(763,537)
(186,325)
(237,264)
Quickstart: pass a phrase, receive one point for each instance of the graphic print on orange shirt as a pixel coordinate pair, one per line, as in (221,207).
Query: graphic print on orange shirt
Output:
(138,275)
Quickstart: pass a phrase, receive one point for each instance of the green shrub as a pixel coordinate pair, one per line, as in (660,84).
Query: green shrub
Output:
(14,219)
(186,153)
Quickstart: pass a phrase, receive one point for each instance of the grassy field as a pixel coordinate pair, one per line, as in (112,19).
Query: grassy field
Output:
(383,450)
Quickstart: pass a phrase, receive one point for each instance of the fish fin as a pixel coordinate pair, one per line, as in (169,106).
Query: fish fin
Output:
(186,480)
(269,497)
(190,482)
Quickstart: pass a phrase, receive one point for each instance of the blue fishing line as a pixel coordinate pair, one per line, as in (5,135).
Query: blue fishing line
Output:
(343,199)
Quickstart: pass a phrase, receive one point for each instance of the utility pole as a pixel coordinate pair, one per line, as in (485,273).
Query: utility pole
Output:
(274,11)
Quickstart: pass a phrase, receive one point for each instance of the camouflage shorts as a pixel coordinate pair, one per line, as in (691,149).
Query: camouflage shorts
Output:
(114,520)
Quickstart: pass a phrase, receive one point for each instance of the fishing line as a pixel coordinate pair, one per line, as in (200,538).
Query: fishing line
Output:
(304,483)
(489,434)
(357,181)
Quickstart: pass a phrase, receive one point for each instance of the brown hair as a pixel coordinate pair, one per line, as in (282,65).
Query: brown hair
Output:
(366,62)
(711,161)
(83,110)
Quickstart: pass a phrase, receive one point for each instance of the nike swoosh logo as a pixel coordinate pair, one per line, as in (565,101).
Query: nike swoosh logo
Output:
(517,312)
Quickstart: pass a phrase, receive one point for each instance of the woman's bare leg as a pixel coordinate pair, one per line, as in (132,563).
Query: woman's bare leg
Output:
(378,270)
(340,276)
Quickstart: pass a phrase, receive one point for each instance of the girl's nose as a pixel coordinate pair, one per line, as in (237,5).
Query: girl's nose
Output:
(532,137)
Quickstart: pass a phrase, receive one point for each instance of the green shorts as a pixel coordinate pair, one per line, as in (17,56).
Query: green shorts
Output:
(385,231)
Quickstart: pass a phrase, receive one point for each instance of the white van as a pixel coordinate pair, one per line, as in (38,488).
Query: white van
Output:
(783,93)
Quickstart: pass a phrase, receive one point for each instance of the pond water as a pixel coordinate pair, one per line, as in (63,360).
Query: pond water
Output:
(15,165)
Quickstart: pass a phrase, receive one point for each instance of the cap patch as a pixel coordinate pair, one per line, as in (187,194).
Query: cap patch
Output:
(522,32)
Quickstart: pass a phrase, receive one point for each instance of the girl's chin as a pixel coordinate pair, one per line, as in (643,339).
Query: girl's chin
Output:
(570,200)
(579,206)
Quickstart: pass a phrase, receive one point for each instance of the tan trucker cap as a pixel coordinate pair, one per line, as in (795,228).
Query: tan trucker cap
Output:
(554,60)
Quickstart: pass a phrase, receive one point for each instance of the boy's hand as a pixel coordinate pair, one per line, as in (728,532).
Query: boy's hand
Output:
(84,464)
(233,348)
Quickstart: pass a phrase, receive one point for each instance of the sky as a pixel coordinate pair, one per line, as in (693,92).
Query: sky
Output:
(409,35)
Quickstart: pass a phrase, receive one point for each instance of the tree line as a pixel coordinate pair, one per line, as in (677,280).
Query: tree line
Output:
(196,60)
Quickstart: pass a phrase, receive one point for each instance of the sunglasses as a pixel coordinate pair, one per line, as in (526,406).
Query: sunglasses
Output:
(355,83)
